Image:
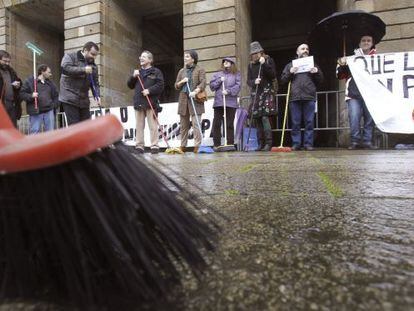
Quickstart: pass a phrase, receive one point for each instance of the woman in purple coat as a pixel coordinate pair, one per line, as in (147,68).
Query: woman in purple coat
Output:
(231,78)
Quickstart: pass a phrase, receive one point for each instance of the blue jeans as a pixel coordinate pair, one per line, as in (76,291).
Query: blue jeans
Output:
(305,109)
(47,118)
(356,110)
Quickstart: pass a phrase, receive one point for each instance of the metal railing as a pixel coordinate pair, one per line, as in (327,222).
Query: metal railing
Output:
(327,115)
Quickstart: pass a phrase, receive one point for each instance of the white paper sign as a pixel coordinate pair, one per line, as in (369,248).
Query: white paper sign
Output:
(305,64)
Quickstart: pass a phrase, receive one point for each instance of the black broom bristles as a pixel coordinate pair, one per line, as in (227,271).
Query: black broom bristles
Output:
(100,230)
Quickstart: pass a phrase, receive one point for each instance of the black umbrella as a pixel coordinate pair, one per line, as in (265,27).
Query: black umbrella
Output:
(339,34)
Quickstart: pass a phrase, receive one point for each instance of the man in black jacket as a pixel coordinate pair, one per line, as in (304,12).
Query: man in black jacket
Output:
(153,81)
(10,86)
(47,100)
(302,99)
(79,74)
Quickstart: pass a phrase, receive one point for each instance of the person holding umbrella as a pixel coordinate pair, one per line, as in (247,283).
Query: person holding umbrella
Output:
(302,98)
(79,74)
(226,84)
(356,104)
(261,77)
(191,80)
(153,81)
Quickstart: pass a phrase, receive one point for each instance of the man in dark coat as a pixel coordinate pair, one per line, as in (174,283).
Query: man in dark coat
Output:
(153,81)
(10,85)
(47,100)
(261,76)
(302,99)
(79,74)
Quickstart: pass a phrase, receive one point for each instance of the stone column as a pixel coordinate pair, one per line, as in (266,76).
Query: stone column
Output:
(210,29)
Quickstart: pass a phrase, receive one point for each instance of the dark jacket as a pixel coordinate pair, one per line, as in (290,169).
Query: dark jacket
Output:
(352,91)
(26,95)
(267,74)
(303,85)
(153,80)
(17,100)
(74,82)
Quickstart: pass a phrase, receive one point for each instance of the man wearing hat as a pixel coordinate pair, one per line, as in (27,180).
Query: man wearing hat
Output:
(230,77)
(261,77)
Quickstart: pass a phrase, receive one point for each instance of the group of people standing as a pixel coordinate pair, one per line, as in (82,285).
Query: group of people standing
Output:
(80,74)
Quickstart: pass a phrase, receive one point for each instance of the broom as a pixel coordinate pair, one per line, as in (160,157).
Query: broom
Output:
(281,148)
(88,225)
(246,148)
(202,148)
(225,148)
(169,150)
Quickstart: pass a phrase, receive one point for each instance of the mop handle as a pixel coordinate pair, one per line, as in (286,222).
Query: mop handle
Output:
(195,113)
(285,117)
(225,114)
(153,113)
(35,79)
(252,108)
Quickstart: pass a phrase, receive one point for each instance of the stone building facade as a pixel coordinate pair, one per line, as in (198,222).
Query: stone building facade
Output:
(215,28)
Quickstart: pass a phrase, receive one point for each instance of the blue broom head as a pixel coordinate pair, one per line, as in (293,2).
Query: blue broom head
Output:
(205,149)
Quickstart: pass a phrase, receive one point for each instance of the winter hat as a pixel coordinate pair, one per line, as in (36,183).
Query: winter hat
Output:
(255,47)
(229,59)
(193,55)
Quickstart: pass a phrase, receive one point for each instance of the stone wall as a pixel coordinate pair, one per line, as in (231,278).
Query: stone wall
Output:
(210,29)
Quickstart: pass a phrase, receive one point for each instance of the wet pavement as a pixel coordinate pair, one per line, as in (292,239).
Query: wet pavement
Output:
(322,230)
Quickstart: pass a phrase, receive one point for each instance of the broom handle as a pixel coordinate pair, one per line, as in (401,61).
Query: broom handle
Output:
(285,117)
(225,116)
(195,112)
(153,113)
(251,110)
(34,78)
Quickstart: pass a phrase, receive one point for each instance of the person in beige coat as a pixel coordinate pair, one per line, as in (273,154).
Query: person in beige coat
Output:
(196,78)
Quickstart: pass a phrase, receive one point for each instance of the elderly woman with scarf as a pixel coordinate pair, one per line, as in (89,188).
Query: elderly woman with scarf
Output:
(230,78)
(196,78)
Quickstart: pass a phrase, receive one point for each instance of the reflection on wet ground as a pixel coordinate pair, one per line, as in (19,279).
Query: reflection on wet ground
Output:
(325,230)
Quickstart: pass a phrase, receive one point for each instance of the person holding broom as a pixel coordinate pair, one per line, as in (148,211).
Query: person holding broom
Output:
(79,74)
(153,82)
(10,85)
(193,76)
(47,96)
(302,98)
(261,77)
(226,82)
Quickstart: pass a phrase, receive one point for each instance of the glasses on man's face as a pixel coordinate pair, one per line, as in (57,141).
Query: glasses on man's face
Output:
(5,61)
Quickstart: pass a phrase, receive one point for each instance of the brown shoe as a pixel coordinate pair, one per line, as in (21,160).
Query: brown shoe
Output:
(182,149)
(195,150)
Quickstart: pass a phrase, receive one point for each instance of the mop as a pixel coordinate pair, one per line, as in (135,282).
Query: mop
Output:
(202,148)
(36,51)
(86,224)
(169,150)
(246,148)
(281,148)
(225,148)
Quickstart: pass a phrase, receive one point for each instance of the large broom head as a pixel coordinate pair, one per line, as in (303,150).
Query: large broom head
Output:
(101,229)
(281,149)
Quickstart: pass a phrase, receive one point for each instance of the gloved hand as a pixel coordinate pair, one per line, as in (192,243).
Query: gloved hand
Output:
(225,92)
(257,81)
(222,79)
(192,94)
(262,60)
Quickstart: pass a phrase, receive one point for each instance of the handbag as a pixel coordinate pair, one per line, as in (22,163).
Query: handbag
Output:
(201,97)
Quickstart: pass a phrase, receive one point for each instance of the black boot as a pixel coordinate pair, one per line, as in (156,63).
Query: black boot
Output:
(268,140)
(260,139)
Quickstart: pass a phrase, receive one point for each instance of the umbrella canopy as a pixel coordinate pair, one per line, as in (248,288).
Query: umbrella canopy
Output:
(339,34)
